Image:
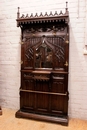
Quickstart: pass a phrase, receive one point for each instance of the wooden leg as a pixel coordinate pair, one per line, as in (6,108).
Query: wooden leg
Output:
(0,111)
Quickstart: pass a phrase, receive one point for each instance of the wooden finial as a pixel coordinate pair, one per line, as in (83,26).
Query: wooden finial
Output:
(18,13)
(66,7)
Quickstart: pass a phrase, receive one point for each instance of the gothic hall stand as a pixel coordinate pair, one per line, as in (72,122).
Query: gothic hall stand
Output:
(44,66)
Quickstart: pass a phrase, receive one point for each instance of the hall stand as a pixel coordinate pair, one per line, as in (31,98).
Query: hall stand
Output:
(44,66)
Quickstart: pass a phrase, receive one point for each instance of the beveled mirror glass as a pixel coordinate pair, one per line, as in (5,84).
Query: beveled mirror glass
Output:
(43,56)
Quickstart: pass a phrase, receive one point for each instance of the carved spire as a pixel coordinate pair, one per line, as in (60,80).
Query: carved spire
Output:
(25,19)
(18,13)
(66,11)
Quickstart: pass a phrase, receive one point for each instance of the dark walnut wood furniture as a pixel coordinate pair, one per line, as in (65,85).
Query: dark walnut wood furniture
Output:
(44,66)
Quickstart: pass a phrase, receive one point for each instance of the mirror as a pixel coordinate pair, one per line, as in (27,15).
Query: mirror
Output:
(43,56)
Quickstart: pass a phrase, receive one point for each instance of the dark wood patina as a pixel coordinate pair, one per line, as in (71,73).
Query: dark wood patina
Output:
(44,66)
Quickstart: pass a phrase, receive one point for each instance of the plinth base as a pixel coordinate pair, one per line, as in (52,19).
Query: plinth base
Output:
(60,120)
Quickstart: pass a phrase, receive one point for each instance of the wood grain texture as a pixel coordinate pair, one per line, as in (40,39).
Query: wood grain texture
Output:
(44,68)
(9,122)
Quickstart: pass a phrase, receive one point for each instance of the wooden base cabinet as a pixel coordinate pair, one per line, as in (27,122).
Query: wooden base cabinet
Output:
(44,67)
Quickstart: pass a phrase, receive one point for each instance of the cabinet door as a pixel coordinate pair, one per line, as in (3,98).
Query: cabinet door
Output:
(42,103)
(27,98)
(59,96)
(27,101)
(34,92)
(59,105)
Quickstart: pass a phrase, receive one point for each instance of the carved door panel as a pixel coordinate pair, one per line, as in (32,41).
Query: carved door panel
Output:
(27,52)
(40,52)
(27,86)
(59,97)
(42,103)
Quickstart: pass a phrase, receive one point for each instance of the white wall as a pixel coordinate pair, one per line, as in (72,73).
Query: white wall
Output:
(10,51)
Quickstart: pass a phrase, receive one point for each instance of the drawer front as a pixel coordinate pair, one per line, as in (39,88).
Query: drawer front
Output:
(35,82)
(55,83)
(59,83)
(27,82)
(27,75)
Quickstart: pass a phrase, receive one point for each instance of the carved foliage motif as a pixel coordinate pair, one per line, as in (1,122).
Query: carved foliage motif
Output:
(33,31)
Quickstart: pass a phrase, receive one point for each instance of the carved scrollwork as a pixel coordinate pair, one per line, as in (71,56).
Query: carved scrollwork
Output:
(32,41)
(45,29)
(33,31)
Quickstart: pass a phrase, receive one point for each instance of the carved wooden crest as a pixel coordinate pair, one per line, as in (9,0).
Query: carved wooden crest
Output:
(42,18)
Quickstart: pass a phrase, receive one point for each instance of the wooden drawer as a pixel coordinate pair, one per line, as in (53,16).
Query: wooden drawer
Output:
(59,83)
(59,77)
(27,81)
(27,75)
(35,81)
